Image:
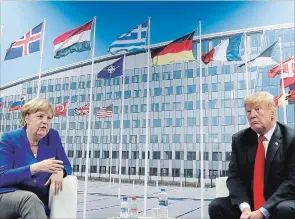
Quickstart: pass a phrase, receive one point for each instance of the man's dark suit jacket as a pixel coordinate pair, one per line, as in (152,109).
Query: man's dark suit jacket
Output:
(279,174)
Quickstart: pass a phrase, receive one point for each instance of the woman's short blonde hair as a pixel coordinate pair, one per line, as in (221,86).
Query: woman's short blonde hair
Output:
(33,106)
(261,99)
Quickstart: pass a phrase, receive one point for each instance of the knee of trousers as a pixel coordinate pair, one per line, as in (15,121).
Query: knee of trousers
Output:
(283,210)
(30,197)
(214,207)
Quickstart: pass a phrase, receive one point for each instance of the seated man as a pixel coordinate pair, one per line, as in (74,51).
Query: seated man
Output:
(31,158)
(261,175)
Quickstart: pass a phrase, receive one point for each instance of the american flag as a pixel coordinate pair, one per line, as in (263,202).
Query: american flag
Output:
(105,112)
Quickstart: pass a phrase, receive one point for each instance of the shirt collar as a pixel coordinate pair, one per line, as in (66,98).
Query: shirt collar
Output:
(269,134)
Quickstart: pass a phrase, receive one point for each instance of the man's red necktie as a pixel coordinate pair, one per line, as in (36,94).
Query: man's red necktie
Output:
(258,179)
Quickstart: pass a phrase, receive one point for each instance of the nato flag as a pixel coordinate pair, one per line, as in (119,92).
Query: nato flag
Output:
(112,70)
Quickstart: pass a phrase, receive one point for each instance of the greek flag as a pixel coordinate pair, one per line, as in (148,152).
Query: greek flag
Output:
(134,40)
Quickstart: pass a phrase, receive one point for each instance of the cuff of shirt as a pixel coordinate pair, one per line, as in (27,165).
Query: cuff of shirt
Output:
(244,205)
(264,212)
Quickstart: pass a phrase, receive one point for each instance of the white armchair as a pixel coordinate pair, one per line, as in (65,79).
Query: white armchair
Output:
(221,188)
(64,204)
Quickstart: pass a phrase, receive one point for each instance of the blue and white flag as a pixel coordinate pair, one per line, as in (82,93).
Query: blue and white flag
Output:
(26,45)
(113,70)
(134,40)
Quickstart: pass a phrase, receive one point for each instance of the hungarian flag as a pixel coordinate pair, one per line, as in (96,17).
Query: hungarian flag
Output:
(178,50)
(76,40)
(61,109)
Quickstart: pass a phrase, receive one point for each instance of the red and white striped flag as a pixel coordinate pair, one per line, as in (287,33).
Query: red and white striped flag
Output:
(105,112)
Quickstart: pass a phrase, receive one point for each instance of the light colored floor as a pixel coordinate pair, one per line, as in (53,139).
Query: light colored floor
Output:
(103,202)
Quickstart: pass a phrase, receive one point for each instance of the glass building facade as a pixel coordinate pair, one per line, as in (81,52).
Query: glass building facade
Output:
(174,109)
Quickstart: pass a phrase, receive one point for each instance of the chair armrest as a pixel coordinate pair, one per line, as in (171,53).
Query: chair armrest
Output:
(221,188)
(64,204)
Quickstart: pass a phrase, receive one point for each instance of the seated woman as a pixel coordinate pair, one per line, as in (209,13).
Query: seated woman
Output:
(32,160)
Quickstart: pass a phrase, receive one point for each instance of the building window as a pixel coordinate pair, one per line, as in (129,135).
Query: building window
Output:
(179,90)
(154,139)
(191,155)
(168,90)
(178,122)
(179,155)
(176,138)
(177,75)
(166,76)
(212,71)
(157,91)
(191,89)
(189,105)
(168,122)
(157,122)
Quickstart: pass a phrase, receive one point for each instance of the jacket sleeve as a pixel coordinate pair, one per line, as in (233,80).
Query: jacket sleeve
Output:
(8,175)
(238,191)
(286,191)
(61,155)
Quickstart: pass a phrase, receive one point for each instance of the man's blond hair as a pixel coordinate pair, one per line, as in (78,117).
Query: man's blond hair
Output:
(33,106)
(261,99)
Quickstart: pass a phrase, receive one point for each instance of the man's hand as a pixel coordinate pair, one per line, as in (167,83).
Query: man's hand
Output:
(256,215)
(55,181)
(246,213)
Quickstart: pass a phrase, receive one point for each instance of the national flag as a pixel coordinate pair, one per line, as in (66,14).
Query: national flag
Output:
(132,41)
(290,95)
(76,40)
(288,68)
(61,109)
(289,81)
(105,112)
(1,102)
(26,45)
(264,58)
(83,110)
(17,105)
(113,70)
(178,50)
(280,100)
(227,50)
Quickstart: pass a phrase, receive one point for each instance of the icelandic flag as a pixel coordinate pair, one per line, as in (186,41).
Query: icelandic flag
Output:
(76,40)
(227,50)
(17,105)
(134,40)
(26,45)
(113,70)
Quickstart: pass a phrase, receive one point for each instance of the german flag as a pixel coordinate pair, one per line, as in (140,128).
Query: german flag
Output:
(178,50)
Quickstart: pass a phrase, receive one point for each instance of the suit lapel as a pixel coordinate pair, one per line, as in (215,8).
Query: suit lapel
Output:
(273,146)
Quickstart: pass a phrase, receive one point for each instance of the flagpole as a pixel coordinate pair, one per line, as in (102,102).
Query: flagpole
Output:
(201,124)
(147,121)
(111,149)
(283,83)
(1,129)
(89,122)
(121,128)
(41,59)
(67,126)
(246,63)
